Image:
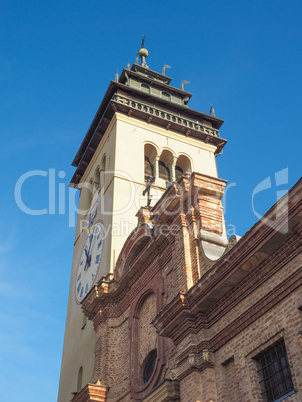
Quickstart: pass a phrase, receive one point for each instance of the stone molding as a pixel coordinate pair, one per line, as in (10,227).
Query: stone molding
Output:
(184,124)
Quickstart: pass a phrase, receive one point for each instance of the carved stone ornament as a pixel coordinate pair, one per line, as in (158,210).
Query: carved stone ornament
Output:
(196,361)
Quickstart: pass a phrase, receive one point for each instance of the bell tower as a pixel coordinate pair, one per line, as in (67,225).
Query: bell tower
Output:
(143,138)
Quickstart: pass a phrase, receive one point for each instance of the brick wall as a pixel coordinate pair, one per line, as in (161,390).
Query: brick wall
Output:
(234,363)
(207,325)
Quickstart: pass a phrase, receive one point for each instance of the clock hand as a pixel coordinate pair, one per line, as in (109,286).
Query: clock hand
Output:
(86,255)
(90,238)
(93,235)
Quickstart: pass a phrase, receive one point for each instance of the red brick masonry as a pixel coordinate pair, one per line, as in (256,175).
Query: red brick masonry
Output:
(207,320)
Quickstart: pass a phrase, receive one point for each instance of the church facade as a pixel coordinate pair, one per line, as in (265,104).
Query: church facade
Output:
(162,306)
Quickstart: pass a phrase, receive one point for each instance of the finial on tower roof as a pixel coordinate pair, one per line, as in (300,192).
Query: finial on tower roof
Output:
(212,111)
(116,75)
(143,53)
(183,82)
(164,68)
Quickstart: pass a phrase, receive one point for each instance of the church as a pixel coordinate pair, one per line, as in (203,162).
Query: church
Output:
(162,305)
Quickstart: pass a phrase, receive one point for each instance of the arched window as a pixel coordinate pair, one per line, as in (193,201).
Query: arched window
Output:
(80,376)
(149,169)
(150,160)
(149,365)
(164,166)
(183,166)
(145,88)
(163,170)
(166,95)
(178,172)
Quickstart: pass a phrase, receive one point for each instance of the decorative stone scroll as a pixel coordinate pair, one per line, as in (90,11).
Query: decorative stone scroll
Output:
(232,241)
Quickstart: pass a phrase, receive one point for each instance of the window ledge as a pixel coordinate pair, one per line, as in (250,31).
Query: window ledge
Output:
(285,396)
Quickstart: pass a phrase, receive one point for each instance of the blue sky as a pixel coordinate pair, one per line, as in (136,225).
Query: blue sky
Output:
(56,61)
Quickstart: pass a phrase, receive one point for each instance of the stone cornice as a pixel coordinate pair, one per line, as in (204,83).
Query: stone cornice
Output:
(260,275)
(281,291)
(163,117)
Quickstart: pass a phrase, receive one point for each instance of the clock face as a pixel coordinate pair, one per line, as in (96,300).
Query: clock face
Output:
(89,261)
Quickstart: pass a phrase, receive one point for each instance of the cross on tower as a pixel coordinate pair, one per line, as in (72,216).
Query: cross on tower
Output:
(150,180)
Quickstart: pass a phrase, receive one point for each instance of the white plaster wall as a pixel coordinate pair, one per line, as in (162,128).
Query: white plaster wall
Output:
(120,199)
